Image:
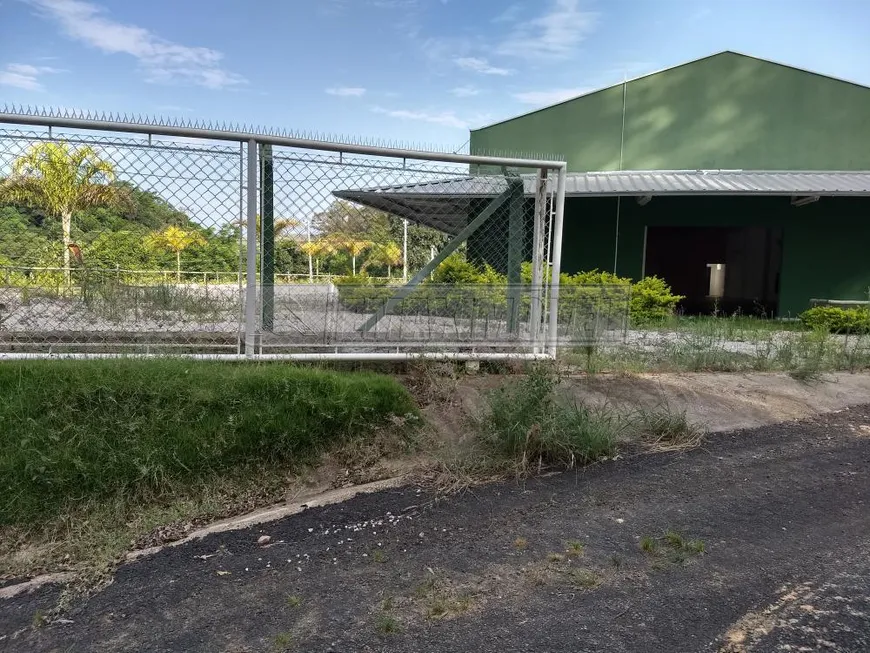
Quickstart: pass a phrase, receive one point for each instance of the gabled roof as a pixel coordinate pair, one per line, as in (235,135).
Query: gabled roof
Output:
(674,67)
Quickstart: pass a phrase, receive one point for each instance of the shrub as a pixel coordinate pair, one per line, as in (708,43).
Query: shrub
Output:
(362,293)
(835,319)
(652,301)
(72,431)
(459,288)
(526,424)
(457,270)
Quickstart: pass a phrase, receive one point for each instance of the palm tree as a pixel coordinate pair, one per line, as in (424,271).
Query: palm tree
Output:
(315,249)
(176,239)
(280,226)
(355,248)
(388,255)
(61,180)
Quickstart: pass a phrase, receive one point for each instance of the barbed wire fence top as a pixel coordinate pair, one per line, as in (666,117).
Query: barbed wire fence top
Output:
(127,238)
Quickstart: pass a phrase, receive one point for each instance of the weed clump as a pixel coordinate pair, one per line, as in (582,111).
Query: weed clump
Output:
(673,545)
(386,624)
(524,422)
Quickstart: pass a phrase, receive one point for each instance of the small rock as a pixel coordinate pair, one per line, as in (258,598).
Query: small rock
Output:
(263,539)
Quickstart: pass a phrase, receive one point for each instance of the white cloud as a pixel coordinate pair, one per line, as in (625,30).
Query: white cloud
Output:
(25,76)
(465,91)
(551,96)
(32,71)
(445,118)
(161,60)
(347,91)
(482,66)
(553,35)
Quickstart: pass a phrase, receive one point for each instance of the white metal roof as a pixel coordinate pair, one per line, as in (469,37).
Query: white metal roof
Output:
(717,182)
(444,204)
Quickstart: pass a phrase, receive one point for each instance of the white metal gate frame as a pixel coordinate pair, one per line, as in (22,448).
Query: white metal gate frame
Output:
(545,346)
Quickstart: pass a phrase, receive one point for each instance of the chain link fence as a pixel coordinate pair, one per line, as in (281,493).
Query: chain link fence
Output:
(197,241)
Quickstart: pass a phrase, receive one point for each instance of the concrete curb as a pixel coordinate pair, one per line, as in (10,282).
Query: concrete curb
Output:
(35,583)
(261,516)
(273,513)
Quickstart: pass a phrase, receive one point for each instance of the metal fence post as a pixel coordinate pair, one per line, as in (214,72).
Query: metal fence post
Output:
(553,326)
(251,253)
(267,235)
(515,256)
(538,262)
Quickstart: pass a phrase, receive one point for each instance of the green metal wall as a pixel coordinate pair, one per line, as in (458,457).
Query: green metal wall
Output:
(826,245)
(727,111)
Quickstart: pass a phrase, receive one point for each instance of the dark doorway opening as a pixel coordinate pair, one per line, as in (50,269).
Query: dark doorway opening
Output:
(725,269)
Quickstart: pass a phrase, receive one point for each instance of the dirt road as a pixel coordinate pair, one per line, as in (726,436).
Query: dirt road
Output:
(553,565)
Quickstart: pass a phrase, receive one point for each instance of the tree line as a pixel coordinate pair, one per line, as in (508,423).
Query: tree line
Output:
(63,206)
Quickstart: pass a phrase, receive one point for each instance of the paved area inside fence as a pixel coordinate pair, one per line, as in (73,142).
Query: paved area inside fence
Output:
(190,314)
(554,564)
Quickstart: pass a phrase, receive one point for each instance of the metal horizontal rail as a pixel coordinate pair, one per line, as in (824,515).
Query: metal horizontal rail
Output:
(222,135)
(309,357)
(839,302)
(160,146)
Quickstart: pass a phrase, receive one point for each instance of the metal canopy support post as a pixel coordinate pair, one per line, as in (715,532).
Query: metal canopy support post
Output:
(515,257)
(448,249)
(251,253)
(553,326)
(536,308)
(267,228)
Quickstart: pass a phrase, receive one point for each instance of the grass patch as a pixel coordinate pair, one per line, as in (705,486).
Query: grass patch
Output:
(524,423)
(294,601)
(438,598)
(442,605)
(729,344)
(666,429)
(71,431)
(521,543)
(379,556)
(673,545)
(386,624)
(575,549)
(648,544)
(585,579)
(282,641)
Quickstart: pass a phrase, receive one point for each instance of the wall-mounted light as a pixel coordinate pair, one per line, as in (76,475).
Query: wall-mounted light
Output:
(643,200)
(717,280)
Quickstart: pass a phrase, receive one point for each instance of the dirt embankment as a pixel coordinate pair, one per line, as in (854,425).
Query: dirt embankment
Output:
(713,402)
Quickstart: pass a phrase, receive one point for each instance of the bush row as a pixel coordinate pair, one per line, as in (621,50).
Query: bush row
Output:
(460,288)
(838,320)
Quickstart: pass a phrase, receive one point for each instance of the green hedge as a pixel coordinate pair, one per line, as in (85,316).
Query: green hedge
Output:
(837,320)
(461,289)
(71,431)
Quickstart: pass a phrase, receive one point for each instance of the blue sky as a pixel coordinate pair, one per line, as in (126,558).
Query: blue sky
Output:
(413,71)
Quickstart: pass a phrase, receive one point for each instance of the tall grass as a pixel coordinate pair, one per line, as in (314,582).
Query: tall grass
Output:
(528,426)
(525,423)
(730,344)
(73,431)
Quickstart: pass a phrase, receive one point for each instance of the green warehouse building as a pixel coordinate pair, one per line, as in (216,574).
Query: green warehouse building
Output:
(740,181)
